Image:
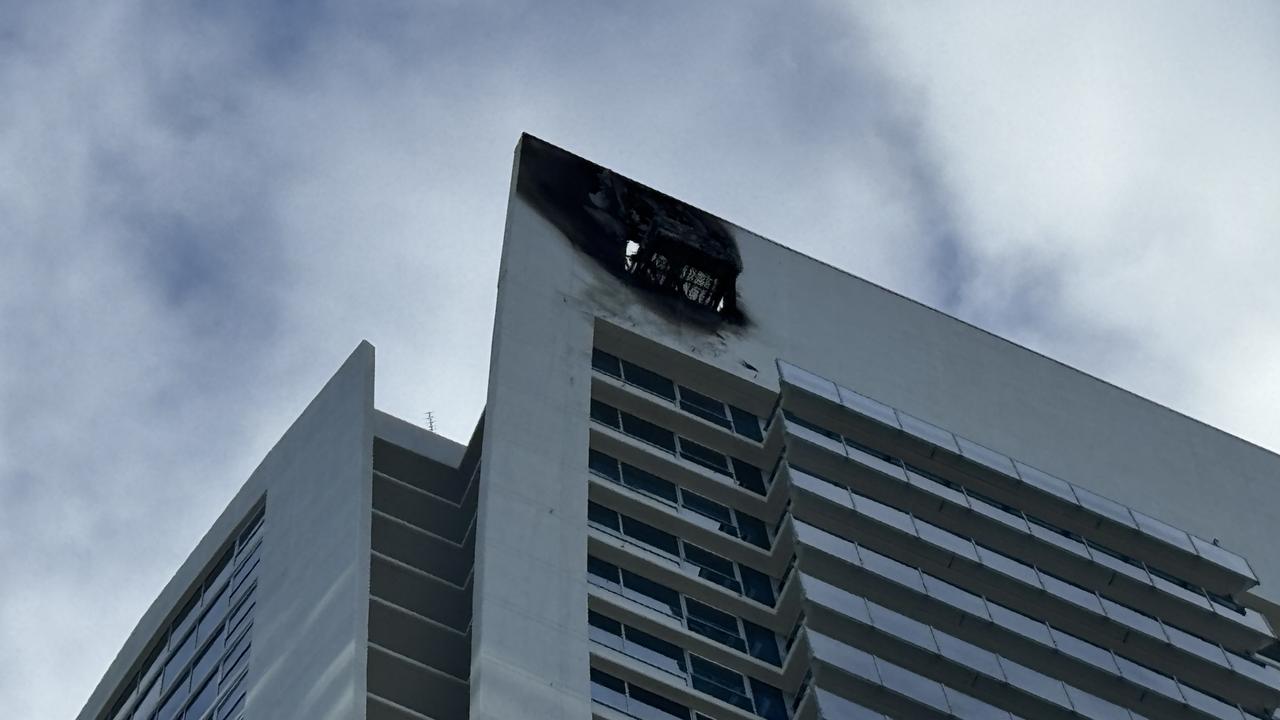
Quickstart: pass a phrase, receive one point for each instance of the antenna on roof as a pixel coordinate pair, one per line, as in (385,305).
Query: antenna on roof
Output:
(430,417)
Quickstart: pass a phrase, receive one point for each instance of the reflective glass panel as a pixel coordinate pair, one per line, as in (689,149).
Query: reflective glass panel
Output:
(928,432)
(1048,483)
(1163,531)
(864,405)
(1036,683)
(807,381)
(987,457)
(1105,507)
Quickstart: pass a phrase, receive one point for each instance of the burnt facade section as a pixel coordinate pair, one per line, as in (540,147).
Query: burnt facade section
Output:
(683,259)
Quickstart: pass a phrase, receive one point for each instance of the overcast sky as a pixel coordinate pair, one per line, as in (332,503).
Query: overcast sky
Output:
(205,206)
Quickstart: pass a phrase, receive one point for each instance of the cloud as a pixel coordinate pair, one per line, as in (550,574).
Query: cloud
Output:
(1112,173)
(207,205)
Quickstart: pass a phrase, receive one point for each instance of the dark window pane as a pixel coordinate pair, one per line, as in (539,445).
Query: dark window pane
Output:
(770,704)
(149,700)
(608,690)
(178,660)
(604,630)
(650,593)
(202,701)
(712,623)
(762,643)
(606,414)
(647,431)
(658,702)
(606,363)
(655,651)
(650,535)
(746,424)
(236,658)
(704,456)
(601,569)
(208,660)
(603,516)
(707,408)
(152,664)
(708,507)
(753,530)
(186,618)
(707,559)
(216,610)
(251,530)
(648,482)
(757,586)
(748,476)
(720,682)
(221,571)
(603,465)
(649,380)
(232,705)
(791,418)
(169,709)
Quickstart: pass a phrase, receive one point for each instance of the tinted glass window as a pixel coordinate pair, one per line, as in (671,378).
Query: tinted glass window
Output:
(770,703)
(648,482)
(710,622)
(606,414)
(169,709)
(601,569)
(650,535)
(649,380)
(647,431)
(656,701)
(720,682)
(178,660)
(606,363)
(202,701)
(603,465)
(658,596)
(208,660)
(753,530)
(704,456)
(186,618)
(603,516)
(655,651)
(762,643)
(757,586)
(707,507)
(745,424)
(748,476)
(705,407)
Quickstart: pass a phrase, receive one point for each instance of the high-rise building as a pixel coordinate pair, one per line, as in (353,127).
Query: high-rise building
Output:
(718,480)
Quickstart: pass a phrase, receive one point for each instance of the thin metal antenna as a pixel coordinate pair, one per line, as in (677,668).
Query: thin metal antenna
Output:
(431,421)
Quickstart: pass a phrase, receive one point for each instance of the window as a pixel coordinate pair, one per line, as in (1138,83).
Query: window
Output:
(699,617)
(701,674)
(743,473)
(727,416)
(632,699)
(734,523)
(694,559)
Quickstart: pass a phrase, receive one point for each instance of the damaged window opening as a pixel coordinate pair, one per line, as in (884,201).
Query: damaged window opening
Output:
(677,256)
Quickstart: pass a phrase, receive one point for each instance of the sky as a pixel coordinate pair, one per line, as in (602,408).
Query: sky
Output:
(205,206)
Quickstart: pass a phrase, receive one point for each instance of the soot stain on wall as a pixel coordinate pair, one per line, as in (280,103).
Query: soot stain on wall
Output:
(680,260)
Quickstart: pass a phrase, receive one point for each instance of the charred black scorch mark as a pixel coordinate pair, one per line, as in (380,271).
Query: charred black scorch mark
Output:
(677,254)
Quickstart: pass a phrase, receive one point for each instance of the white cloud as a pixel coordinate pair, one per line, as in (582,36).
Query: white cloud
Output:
(1128,156)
